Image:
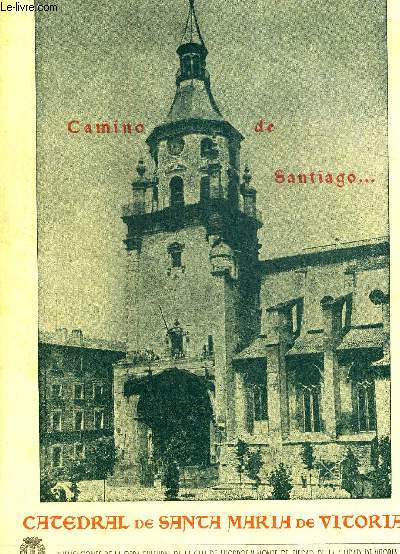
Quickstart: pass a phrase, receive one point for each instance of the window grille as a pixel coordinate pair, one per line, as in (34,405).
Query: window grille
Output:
(308,385)
(310,399)
(260,402)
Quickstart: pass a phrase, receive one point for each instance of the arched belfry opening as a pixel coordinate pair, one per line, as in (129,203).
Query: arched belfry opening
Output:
(175,408)
(205,189)
(176,190)
(207,147)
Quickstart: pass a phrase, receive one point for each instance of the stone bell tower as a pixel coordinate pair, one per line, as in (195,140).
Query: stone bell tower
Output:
(192,286)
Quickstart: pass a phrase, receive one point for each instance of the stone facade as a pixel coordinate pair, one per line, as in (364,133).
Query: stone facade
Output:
(275,353)
(76,397)
(323,354)
(315,371)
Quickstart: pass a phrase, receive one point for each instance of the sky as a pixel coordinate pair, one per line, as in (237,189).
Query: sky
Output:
(316,69)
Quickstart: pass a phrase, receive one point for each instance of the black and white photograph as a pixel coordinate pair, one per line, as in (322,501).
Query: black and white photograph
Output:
(213,250)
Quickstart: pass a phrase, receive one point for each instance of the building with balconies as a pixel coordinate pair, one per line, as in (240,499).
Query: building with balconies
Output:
(76,397)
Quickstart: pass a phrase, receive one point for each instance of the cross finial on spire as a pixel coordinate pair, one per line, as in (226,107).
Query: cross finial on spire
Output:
(192,27)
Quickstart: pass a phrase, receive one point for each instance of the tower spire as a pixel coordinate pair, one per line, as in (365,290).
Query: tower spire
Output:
(193,97)
(192,51)
(192,33)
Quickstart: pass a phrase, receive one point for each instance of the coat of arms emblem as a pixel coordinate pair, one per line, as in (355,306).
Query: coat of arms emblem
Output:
(32,545)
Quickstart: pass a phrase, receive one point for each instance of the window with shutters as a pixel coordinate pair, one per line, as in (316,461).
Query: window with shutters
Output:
(78,421)
(79,451)
(56,391)
(56,456)
(56,420)
(99,419)
(98,391)
(78,391)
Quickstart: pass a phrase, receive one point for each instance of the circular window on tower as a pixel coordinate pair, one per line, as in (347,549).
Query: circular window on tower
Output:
(175,145)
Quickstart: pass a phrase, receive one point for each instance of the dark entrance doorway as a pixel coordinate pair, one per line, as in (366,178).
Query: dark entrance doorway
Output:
(176,407)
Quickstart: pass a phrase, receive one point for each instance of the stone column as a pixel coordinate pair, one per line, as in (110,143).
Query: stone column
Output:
(386,327)
(284,344)
(382,402)
(330,386)
(125,431)
(274,394)
(293,423)
(131,293)
(214,444)
(382,369)
(220,356)
(225,342)
(278,397)
(276,376)
(144,468)
(241,404)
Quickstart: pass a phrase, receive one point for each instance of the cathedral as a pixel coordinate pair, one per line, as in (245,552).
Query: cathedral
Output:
(224,348)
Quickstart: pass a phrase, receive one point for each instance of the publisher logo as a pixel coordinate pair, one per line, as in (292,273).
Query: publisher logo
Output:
(32,545)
